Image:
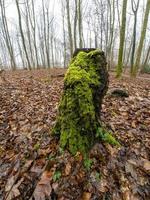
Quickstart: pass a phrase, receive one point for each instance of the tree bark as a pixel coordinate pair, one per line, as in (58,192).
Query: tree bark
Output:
(6,36)
(22,35)
(135,10)
(146,59)
(80,23)
(85,85)
(69,27)
(119,67)
(143,33)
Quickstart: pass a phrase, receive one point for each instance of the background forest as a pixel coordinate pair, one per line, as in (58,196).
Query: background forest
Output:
(45,33)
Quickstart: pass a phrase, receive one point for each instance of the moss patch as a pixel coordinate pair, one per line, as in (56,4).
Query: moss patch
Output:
(84,87)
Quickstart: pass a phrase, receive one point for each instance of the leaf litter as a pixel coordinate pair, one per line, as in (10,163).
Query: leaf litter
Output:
(32,166)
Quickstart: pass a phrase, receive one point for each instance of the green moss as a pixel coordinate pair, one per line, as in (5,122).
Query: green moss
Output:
(77,121)
(107,137)
(87,163)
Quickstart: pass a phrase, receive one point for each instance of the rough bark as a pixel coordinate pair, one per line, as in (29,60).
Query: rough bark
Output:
(85,85)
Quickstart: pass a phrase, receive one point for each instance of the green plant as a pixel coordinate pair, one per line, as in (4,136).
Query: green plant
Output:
(36,146)
(50,157)
(56,176)
(105,136)
(88,163)
(97,176)
(61,150)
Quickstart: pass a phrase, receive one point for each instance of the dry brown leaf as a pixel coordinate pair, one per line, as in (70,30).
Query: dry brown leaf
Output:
(103,185)
(27,165)
(86,196)
(146,165)
(14,193)
(130,169)
(133,124)
(43,188)
(67,169)
(11,181)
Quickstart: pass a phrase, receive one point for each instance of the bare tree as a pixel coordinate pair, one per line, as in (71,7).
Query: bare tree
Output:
(22,35)
(122,37)
(80,23)
(75,23)
(69,27)
(143,33)
(64,32)
(6,35)
(146,58)
(135,7)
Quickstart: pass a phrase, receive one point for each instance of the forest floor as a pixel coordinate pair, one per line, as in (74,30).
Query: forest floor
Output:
(32,166)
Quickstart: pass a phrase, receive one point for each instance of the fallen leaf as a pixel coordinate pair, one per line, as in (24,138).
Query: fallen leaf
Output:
(146,165)
(130,169)
(67,169)
(133,124)
(43,188)
(14,193)
(86,196)
(103,186)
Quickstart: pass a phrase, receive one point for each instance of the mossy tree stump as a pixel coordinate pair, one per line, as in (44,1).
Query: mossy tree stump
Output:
(85,85)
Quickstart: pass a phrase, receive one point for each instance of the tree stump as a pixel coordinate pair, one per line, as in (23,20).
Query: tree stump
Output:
(85,84)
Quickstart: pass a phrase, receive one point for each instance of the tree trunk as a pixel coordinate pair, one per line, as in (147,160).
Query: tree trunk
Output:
(122,38)
(80,23)
(146,60)
(69,27)
(134,9)
(6,35)
(75,24)
(22,35)
(85,85)
(143,33)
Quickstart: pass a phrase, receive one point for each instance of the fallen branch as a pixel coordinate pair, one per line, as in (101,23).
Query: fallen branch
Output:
(57,75)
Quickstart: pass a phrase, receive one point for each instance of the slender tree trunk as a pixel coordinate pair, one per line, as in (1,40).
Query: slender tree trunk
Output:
(52,50)
(69,28)
(119,67)
(22,35)
(64,35)
(80,23)
(128,55)
(111,35)
(34,34)
(146,59)
(7,36)
(21,53)
(135,10)
(143,33)
(48,38)
(75,23)
(118,14)
(29,37)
